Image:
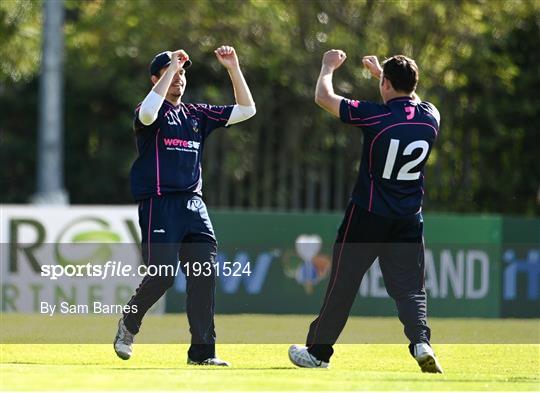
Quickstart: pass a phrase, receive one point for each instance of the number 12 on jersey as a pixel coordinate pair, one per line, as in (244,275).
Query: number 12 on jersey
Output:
(404,172)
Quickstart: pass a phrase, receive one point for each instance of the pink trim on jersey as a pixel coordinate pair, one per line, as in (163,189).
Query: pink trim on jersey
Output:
(149,226)
(157,163)
(199,182)
(209,109)
(374,117)
(210,117)
(367,118)
(213,118)
(365,125)
(371,196)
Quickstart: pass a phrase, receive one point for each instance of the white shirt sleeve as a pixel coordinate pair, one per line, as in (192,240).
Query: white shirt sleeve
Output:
(150,106)
(241,113)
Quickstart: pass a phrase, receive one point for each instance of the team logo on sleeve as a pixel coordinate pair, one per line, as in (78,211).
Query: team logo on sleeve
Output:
(195,125)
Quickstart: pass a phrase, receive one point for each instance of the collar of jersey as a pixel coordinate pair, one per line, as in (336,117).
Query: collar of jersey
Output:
(402,98)
(171,105)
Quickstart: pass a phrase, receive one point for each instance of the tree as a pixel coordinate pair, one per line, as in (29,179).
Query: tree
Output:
(477,65)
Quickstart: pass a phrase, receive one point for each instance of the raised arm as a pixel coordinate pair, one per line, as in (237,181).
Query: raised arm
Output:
(154,99)
(245,106)
(324,92)
(228,58)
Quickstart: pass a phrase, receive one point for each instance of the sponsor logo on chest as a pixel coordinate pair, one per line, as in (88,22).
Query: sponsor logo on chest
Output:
(177,142)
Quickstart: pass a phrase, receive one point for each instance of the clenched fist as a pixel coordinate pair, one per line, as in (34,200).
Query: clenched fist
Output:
(334,58)
(178,58)
(372,64)
(226,55)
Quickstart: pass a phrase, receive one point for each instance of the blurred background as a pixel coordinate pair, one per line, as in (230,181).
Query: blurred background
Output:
(478,64)
(72,72)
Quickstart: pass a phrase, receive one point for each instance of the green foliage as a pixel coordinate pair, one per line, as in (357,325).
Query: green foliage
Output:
(20,35)
(478,62)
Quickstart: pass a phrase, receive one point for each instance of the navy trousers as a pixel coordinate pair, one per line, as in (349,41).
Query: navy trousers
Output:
(362,237)
(176,227)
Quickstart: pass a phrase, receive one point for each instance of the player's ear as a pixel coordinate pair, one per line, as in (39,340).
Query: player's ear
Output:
(386,84)
(154,79)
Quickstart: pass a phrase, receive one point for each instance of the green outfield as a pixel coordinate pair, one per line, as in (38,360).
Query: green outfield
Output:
(264,367)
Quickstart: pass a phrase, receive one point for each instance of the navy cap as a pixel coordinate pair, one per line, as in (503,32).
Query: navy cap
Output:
(161,60)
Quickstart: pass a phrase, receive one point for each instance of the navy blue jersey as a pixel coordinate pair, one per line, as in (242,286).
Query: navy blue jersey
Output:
(398,138)
(170,149)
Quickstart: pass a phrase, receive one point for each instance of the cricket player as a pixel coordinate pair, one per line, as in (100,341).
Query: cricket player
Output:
(384,217)
(166,181)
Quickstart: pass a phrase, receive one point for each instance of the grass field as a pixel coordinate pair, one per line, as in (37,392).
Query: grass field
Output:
(265,367)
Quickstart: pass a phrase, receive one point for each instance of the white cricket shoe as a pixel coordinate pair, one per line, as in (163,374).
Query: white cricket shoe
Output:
(123,342)
(300,357)
(426,359)
(208,362)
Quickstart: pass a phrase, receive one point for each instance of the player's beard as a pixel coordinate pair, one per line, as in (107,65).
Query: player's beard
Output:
(177,92)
